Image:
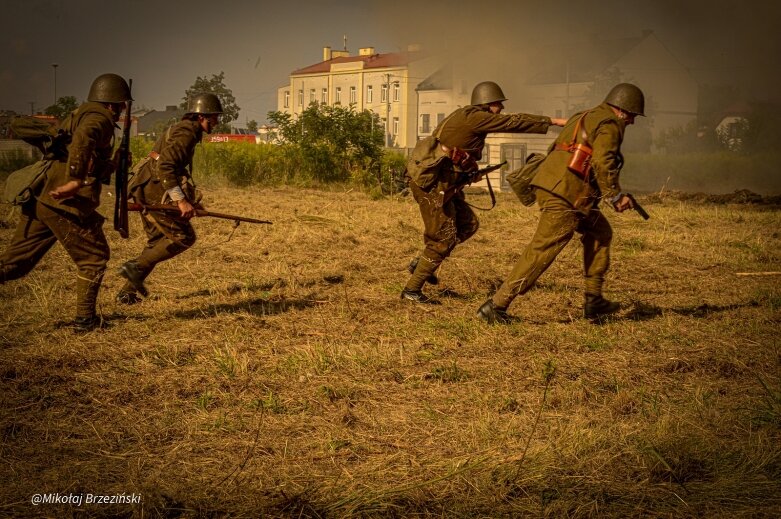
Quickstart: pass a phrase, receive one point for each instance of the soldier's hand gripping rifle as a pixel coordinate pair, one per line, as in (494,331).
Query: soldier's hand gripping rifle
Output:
(120,178)
(469,178)
(173,211)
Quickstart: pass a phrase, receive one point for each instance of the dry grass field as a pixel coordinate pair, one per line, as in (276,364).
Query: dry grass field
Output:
(274,372)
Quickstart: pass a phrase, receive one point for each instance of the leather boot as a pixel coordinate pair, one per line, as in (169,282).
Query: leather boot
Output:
(87,298)
(491,313)
(412,290)
(130,271)
(416,296)
(128,297)
(86,324)
(597,306)
(431,280)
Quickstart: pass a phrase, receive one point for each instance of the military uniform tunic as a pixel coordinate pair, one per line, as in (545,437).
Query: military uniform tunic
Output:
(568,204)
(168,166)
(74,221)
(431,171)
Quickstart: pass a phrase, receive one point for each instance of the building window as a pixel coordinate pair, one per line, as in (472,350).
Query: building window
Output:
(338,99)
(324,96)
(486,155)
(353,99)
(395,126)
(384,94)
(311,95)
(369,94)
(425,123)
(301,97)
(440,118)
(287,98)
(396,90)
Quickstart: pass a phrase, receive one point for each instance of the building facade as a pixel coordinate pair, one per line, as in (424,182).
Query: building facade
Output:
(382,83)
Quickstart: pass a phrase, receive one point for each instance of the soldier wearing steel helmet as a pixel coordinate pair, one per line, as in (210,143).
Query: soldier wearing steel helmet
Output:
(436,164)
(64,208)
(569,203)
(165,177)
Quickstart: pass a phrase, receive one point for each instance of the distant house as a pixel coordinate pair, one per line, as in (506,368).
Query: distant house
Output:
(572,77)
(382,83)
(153,121)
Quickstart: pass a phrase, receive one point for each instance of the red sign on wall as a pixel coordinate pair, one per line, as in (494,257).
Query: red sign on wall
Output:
(229,137)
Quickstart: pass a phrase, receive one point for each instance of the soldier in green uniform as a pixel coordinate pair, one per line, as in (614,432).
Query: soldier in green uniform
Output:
(437,165)
(569,203)
(64,208)
(165,177)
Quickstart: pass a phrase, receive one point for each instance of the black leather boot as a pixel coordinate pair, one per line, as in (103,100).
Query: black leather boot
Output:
(597,306)
(416,296)
(491,313)
(86,324)
(431,280)
(126,297)
(130,271)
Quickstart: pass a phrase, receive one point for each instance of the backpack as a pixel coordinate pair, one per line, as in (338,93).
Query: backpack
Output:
(520,179)
(21,185)
(51,141)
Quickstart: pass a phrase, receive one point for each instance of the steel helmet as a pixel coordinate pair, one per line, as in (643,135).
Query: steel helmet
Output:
(487,92)
(206,104)
(109,88)
(627,97)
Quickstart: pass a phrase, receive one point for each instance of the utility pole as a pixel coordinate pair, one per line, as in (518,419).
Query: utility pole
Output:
(32,109)
(387,111)
(54,66)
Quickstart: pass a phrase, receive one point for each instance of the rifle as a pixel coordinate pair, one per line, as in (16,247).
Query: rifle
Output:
(467,179)
(174,210)
(120,180)
(639,208)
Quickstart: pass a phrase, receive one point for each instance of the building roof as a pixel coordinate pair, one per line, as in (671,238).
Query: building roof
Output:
(581,61)
(442,79)
(148,121)
(389,59)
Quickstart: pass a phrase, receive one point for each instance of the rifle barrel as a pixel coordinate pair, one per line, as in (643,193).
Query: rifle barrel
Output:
(163,208)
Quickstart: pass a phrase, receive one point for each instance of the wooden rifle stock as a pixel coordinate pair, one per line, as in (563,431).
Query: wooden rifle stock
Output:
(121,224)
(174,210)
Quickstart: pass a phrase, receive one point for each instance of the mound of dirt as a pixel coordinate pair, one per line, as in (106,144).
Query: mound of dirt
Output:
(741,196)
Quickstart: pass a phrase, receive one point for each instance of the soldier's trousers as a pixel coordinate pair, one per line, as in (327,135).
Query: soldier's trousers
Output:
(166,238)
(443,228)
(39,228)
(558,223)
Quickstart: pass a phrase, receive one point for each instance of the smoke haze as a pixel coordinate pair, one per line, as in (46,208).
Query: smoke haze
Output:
(164,46)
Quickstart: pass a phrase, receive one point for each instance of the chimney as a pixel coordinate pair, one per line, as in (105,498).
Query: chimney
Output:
(326,53)
(366,51)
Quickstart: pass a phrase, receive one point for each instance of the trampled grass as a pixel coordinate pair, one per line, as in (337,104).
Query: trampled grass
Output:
(274,371)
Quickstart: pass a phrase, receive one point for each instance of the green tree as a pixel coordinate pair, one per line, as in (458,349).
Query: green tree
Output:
(64,106)
(252,125)
(216,86)
(339,140)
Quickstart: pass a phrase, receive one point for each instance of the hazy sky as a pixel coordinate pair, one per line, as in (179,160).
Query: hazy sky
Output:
(165,44)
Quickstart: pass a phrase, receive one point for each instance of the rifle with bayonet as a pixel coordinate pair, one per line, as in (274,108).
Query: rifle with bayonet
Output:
(121,224)
(174,211)
(469,178)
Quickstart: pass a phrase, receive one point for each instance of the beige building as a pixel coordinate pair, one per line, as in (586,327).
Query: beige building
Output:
(382,83)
